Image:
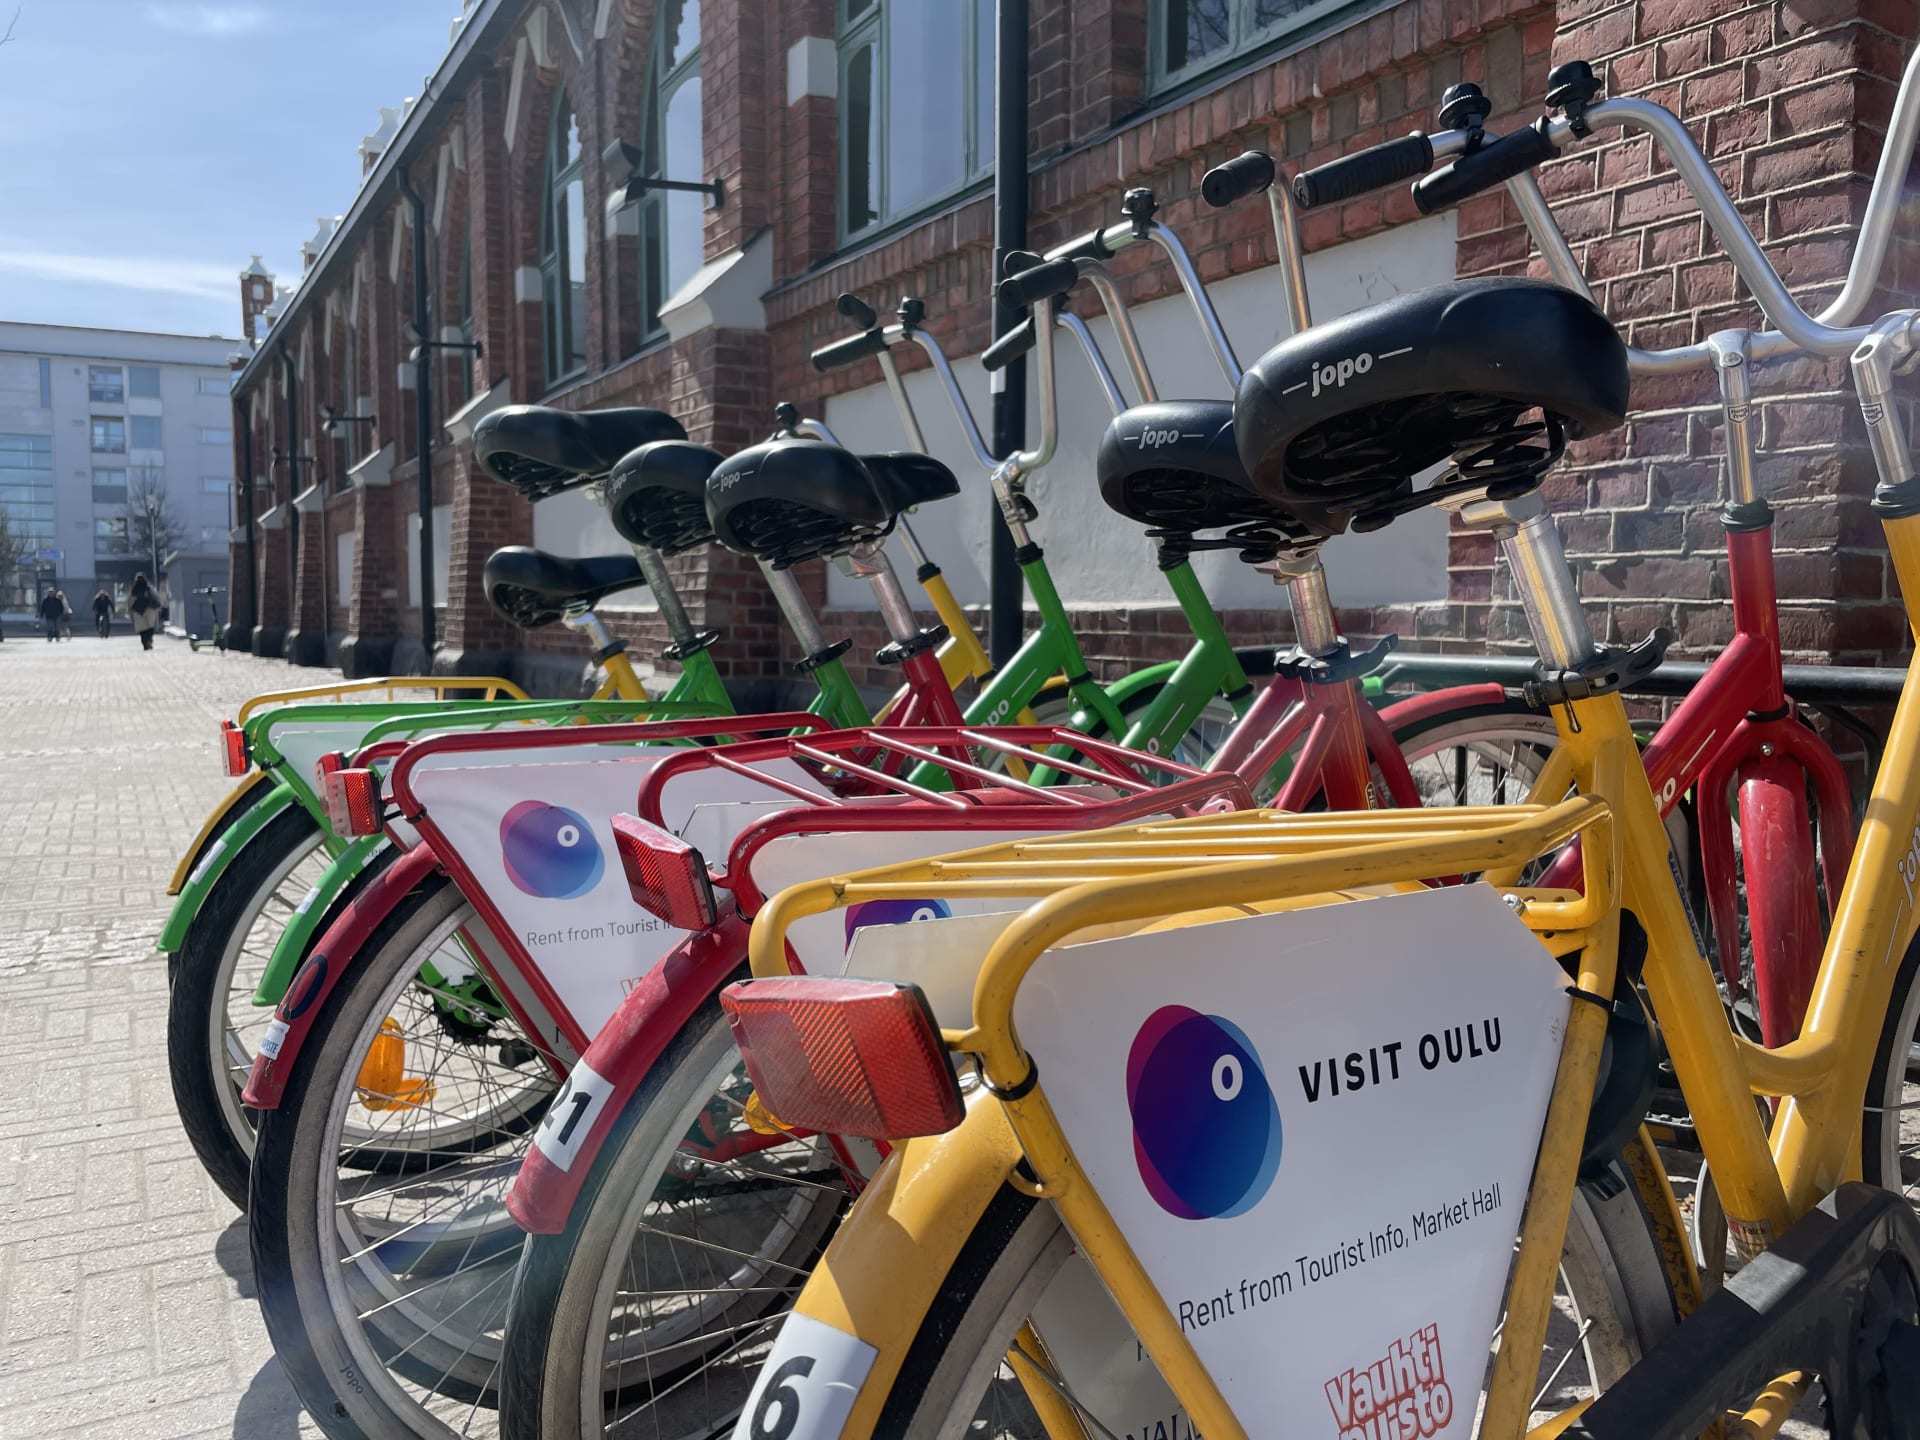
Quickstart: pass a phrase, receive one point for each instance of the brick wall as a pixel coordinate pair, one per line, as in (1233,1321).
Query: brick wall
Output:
(1790,102)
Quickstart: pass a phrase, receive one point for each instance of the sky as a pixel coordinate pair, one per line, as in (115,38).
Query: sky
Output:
(149,148)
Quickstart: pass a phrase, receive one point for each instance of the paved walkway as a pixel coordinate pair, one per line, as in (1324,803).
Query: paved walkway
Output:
(126,1297)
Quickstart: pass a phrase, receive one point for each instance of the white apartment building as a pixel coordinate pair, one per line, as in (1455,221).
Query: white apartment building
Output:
(96,426)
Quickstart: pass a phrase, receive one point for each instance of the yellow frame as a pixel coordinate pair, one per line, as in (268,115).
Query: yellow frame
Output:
(1765,1180)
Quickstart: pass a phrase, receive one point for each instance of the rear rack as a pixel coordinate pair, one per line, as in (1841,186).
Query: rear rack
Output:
(1124,786)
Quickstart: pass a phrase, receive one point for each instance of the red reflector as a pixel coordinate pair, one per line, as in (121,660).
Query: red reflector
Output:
(844,1057)
(233,748)
(668,877)
(353,802)
(328,764)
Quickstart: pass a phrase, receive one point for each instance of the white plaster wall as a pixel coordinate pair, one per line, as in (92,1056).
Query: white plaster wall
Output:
(343,544)
(576,524)
(1096,556)
(442,556)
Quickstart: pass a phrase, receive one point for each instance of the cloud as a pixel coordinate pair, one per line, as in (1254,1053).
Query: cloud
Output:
(209,22)
(167,277)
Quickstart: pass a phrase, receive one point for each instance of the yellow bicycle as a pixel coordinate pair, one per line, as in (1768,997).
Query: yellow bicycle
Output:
(1265,1101)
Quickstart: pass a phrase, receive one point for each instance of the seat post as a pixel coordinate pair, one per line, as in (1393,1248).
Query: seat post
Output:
(673,614)
(795,610)
(593,627)
(1315,629)
(1537,560)
(869,562)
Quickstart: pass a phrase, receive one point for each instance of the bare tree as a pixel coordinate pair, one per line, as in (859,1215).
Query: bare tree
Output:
(154,527)
(7,38)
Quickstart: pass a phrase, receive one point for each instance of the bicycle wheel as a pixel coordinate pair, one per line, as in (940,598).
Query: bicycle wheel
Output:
(213,1027)
(1481,755)
(1890,1122)
(384,1292)
(656,1304)
(1612,1304)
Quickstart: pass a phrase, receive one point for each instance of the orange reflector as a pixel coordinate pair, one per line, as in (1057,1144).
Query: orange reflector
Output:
(233,748)
(844,1057)
(382,1083)
(668,877)
(353,802)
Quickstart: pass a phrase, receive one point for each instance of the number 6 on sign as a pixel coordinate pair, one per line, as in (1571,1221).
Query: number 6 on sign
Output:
(807,1387)
(570,1118)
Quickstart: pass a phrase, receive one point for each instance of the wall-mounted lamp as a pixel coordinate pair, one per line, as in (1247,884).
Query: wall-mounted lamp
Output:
(292,462)
(420,342)
(335,424)
(625,183)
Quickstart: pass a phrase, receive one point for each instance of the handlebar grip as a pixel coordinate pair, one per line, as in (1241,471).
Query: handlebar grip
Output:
(1373,168)
(857,310)
(1082,247)
(845,352)
(1492,164)
(1037,283)
(1015,342)
(1240,177)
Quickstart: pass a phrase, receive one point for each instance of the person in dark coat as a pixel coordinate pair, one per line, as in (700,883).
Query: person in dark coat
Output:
(102,612)
(143,603)
(51,607)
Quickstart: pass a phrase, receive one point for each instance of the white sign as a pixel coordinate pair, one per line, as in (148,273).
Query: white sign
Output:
(1316,1130)
(808,1385)
(533,827)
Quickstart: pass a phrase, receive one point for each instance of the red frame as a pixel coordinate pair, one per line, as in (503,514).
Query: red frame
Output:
(1737,728)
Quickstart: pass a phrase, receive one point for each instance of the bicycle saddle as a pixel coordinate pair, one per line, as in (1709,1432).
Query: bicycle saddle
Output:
(530,588)
(792,500)
(1173,467)
(1334,423)
(658,495)
(541,451)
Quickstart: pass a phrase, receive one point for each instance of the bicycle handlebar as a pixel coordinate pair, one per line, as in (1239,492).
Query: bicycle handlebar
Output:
(854,347)
(1001,353)
(1374,168)
(1240,177)
(1040,280)
(1493,163)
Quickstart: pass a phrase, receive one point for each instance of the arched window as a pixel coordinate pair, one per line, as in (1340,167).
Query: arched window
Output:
(350,391)
(672,223)
(563,248)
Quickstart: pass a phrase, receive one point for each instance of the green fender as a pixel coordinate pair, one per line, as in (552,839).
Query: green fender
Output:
(312,913)
(1138,682)
(214,861)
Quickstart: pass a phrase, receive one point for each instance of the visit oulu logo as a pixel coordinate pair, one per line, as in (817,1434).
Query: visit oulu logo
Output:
(549,851)
(893,912)
(1206,1126)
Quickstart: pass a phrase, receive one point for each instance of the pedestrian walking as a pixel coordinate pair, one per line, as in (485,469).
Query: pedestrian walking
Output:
(102,613)
(143,603)
(49,611)
(66,614)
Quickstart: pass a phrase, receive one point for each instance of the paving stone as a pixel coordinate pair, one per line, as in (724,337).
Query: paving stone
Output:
(126,1303)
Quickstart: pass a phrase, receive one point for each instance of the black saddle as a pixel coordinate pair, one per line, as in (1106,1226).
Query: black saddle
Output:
(657,495)
(541,451)
(1173,467)
(530,588)
(792,500)
(1334,423)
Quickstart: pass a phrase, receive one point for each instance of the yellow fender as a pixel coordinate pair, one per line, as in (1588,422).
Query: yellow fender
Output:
(237,799)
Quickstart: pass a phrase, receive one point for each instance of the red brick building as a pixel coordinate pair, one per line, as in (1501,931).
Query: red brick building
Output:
(853,139)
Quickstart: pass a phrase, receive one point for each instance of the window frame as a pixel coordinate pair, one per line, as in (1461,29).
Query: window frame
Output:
(216,485)
(222,385)
(556,281)
(46,384)
(159,432)
(852,32)
(132,394)
(464,303)
(106,527)
(661,88)
(226,435)
(1244,39)
(95,386)
(94,422)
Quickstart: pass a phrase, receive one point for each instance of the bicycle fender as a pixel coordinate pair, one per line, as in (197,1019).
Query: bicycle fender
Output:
(312,911)
(235,801)
(882,1272)
(1138,682)
(1430,703)
(215,859)
(543,1193)
(330,961)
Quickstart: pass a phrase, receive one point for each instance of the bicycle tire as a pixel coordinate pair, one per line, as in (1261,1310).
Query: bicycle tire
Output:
(351,1367)
(1019,1245)
(202,1049)
(1511,723)
(1889,1158)
(557,1379)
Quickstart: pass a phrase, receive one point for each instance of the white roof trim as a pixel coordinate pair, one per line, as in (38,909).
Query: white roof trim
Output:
(724,293)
